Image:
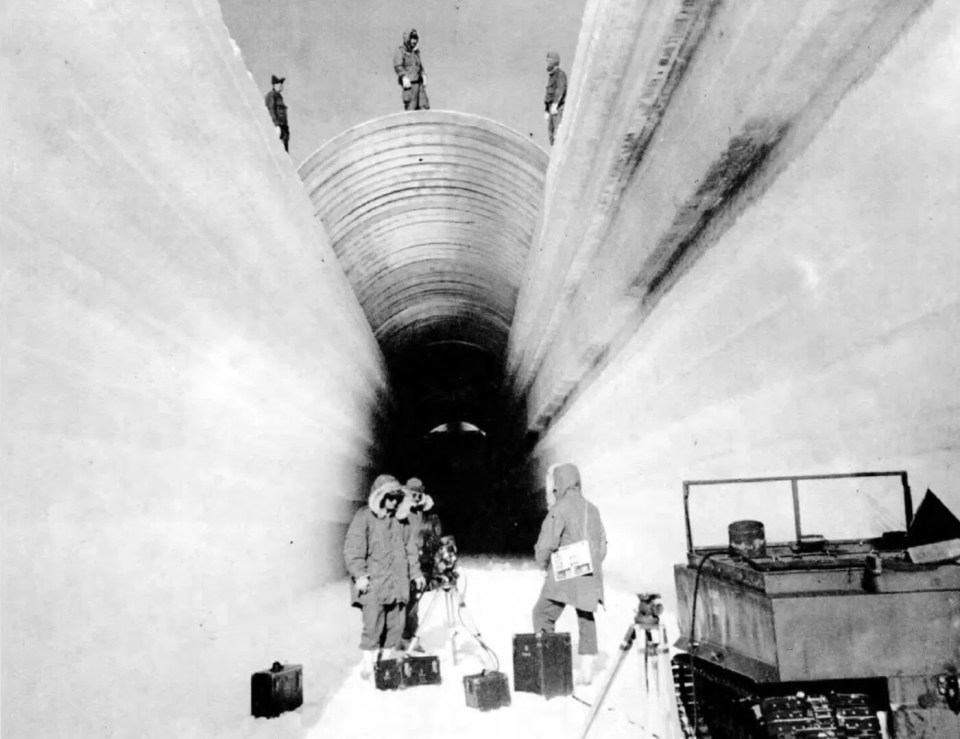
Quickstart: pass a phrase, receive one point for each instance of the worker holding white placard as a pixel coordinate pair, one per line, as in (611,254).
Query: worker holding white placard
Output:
(571,549)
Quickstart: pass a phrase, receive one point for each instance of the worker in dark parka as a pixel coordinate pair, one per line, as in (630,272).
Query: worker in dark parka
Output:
(278,110)
(381,556)
(425,529)
(556,95)
(572,518)
(410,74)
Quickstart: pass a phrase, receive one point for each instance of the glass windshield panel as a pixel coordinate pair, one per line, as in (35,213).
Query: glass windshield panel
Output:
(714,507)
(835,508)
(852,508)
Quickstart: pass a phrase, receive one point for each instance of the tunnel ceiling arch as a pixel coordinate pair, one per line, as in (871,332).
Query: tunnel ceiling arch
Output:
(431,215)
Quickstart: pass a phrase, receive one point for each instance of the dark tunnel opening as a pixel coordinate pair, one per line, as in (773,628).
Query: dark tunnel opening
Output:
(451,422)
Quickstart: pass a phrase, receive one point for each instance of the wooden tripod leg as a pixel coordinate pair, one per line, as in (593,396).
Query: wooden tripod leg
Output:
(415,641)
(452,622)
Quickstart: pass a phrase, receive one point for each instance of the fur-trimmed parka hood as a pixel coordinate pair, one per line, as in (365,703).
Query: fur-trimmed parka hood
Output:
(383,486)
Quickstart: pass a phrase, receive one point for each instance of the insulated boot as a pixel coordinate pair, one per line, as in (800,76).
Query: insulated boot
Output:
(588,666)
(367,659)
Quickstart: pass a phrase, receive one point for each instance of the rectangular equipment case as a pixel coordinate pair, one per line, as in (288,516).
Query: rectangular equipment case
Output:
(276,690)
(388,674)
(543,664)
(407,672)
(486,690)
(421,670)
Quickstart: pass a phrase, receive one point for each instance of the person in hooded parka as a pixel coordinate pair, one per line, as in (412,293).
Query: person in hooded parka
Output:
(410,74)
(570,519)
(381,556)
(556,95)
(278,110)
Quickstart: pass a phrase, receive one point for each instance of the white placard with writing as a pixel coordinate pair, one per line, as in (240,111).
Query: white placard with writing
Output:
(573,560)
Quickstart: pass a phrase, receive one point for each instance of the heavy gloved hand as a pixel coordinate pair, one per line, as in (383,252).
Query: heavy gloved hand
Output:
(363,582)
(546,115)
(553,109)
(279,132)
(420,582)
(406,82)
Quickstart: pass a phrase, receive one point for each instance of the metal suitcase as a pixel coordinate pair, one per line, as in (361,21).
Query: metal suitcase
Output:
(276,690)
(407,672)
(543,664)
(486,690)
(388,674)
(420,670)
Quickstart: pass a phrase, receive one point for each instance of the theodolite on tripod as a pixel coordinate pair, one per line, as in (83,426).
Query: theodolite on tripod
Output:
(646,623)
(443,581)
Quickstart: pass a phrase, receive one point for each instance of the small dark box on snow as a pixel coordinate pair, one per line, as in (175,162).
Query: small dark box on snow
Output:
(276,690)
(406,672)
(543,664)
(486,690)
(387,674)
(421,670)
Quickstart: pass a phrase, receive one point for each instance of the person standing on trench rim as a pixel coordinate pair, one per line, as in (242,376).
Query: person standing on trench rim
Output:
(278,110)
(556,95)
(409,69)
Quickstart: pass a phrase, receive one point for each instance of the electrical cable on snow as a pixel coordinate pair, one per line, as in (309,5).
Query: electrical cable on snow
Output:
(474,631)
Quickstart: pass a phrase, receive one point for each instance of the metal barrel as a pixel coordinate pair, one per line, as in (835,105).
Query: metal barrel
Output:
(747,539)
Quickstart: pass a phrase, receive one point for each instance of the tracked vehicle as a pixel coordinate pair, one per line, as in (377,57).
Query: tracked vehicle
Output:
(821,632)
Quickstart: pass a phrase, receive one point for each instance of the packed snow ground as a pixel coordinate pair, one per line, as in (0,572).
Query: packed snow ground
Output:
(498,596)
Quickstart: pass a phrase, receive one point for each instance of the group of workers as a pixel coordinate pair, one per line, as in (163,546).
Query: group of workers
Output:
(384,547)
(409,69)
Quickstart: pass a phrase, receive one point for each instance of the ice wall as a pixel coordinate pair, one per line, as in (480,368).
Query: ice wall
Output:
(819,333)
(187,379)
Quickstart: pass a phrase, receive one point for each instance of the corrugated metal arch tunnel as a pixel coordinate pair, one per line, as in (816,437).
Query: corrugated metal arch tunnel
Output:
(431,215)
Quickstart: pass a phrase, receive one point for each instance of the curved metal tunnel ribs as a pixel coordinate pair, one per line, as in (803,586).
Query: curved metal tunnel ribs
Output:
(431,215)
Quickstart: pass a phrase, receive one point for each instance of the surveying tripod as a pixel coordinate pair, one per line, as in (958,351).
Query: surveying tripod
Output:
(455,606)
(646,622)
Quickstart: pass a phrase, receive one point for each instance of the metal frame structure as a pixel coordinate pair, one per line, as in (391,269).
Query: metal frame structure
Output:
(794,481)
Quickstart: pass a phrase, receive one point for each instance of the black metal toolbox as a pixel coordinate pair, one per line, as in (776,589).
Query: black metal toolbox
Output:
(387,674)
(276,690)
(543,664)
(421,670)
(486,690)
(407,671)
